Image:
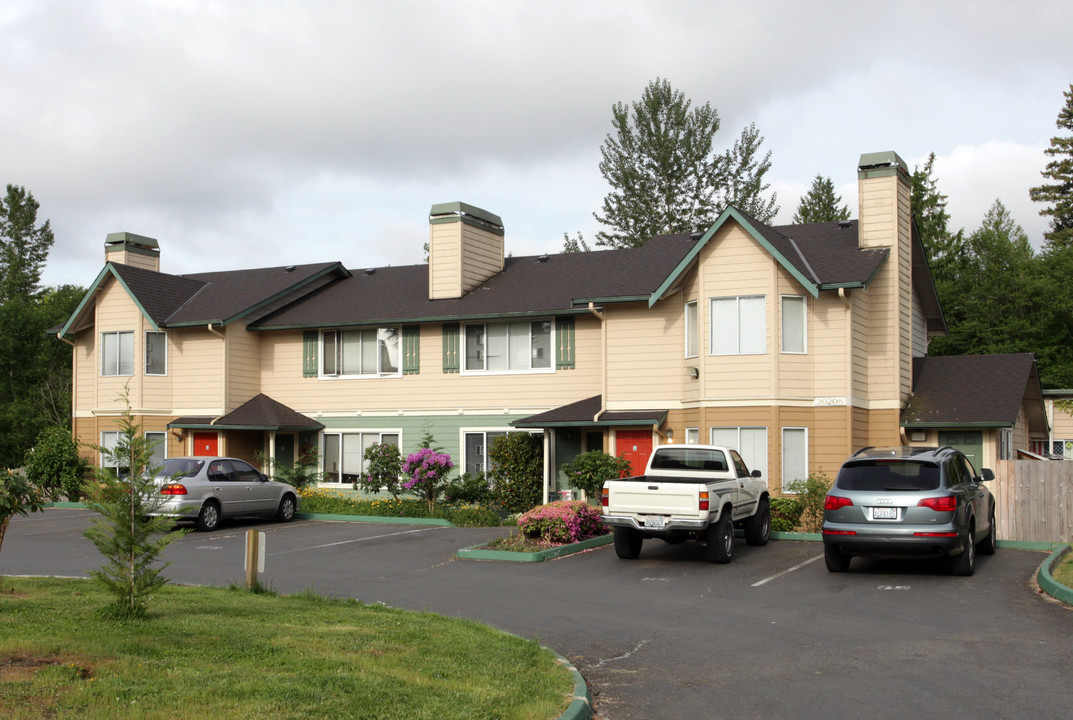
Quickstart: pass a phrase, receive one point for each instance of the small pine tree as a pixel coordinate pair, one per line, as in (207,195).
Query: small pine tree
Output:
(126,535)
(821,204)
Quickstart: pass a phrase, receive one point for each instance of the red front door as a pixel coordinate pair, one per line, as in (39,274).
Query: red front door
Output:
(206,444)
(635,446)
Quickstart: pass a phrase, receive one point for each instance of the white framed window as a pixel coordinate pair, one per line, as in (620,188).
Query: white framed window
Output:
(692,329)
(502,347)
(372,352)
(794,455)
(156,353)
(475,444)
(739,325)
(158,448)
(794,324)
(1005,444)
(109,441)
(117,353)
(750,442)
(343,455)
(692,436)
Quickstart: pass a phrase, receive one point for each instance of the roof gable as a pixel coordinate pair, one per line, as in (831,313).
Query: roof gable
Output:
(975,390)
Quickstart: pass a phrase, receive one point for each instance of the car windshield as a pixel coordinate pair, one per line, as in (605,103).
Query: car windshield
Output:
(685,458)
(888,476)
(179,467)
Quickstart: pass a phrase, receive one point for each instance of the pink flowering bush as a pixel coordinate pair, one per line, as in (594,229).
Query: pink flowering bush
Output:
(428,470)
(565,521)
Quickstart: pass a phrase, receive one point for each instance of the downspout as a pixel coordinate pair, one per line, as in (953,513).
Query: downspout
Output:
(603,360)
(223,367)
(74,384)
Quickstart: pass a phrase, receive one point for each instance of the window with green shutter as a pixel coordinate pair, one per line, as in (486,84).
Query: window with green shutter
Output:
(310,341)
(450,347)
(564,343)
(411,349)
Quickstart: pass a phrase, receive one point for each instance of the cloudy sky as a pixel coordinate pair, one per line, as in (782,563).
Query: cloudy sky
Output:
(249,134)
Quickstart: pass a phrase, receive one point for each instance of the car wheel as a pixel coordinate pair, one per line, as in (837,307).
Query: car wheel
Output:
(990,543)
(758,527)
(209,517)
(965,563)
(628,543)
(836,562)
(720,539)
(286,509)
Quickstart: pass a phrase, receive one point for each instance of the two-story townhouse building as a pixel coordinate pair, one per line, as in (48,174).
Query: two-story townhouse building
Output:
(795,344)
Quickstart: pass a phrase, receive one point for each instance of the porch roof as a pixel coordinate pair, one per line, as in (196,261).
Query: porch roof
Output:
(258,413)
(583,414)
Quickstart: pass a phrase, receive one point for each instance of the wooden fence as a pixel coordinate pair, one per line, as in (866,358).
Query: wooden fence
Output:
(1034,500)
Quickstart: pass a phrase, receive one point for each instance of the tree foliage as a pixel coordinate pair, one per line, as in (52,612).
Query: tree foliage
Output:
(666,175)
(54,464)
(1058,192)
(18,496)
(821,203)
(929,211)
(590,470)
(517,472)
(126,535)
(35,370)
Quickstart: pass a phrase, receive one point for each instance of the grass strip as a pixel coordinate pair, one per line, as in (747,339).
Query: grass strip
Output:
(229,653)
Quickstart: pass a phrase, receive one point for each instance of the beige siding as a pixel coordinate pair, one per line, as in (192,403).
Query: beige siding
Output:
(645,359)
(196,368)
(116,312)
(482,256)
(444,261)
(243,365)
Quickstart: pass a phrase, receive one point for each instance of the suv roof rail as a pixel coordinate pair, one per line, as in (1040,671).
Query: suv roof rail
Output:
(942,447)
(863,450)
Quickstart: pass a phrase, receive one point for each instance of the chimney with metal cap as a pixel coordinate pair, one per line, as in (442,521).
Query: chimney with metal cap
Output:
(130,249)
(465,248)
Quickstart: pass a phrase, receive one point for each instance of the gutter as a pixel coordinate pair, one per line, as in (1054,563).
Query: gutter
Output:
(223,367)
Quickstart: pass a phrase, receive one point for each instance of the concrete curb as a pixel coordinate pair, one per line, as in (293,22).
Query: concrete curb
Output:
(475,553)
(1046,580)
(580,708)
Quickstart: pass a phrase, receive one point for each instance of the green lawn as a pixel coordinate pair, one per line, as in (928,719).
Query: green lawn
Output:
(227,653)
(1064,572)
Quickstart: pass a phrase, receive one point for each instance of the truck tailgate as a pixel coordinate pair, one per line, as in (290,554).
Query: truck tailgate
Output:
(653,497)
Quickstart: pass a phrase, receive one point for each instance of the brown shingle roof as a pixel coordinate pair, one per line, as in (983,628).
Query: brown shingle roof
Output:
(979,390)
(584,411)
(258,413)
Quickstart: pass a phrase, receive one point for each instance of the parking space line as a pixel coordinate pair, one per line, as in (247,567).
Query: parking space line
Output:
(786,572)
(357,540)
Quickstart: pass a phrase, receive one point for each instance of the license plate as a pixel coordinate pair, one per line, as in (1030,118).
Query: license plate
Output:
(654,521)
(884,513)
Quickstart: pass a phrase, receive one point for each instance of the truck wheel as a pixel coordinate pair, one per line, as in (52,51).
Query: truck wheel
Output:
(720,539)
(628,543)
(758,527)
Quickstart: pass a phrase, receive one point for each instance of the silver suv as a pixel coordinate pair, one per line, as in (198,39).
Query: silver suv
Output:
(909,502)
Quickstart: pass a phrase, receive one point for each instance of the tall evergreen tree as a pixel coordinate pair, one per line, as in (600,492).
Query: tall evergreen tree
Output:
(821,203)
(741,177)
(929,211)
(24,247)
(1058,193)
(661,166)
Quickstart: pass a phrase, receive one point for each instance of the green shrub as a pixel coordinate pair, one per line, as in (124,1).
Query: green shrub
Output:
(471,489)
(302,473)
(54,464)
(785,514)
(384,469)
(589,471)
(471,516)
(517,471)
(810,493)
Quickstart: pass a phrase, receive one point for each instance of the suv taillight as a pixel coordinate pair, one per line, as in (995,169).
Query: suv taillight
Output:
(173,489)
(603,497)
(947,503)
(834,502)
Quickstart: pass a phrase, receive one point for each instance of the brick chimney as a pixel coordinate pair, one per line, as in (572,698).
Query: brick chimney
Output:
(130,249)
(465,248)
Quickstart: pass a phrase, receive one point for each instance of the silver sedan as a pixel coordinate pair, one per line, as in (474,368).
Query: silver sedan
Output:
(207,489)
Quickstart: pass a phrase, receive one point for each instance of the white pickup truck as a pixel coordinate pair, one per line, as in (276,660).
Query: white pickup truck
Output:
(698,491)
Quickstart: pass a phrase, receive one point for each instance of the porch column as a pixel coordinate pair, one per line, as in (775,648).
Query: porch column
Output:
(549,437)
(272,454)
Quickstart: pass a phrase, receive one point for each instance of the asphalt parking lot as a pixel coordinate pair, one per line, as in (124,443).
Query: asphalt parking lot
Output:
(668,635)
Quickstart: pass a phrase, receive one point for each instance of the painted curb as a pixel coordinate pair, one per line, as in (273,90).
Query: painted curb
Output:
(580,708)
(376,519)
(475,553)
(1046,580)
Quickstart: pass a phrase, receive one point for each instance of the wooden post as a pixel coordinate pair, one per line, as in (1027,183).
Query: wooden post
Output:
(252,555)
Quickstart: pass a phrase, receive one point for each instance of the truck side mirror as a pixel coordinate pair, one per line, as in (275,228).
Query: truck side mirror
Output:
(755,473)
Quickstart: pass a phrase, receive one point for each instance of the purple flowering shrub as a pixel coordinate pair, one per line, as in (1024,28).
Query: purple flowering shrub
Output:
(565,521)
(428,470)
